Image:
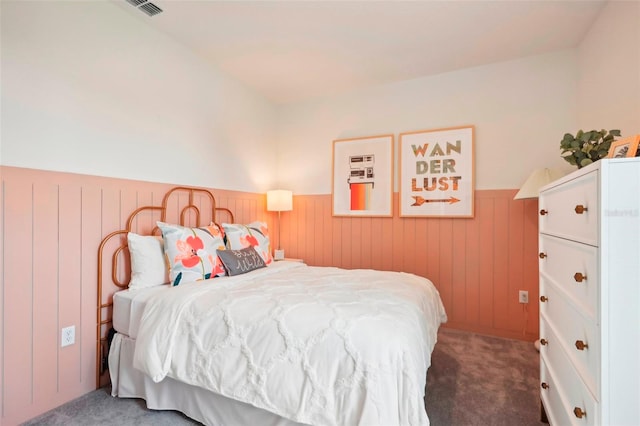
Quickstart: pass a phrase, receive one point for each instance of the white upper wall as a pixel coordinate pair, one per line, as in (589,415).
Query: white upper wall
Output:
(88,88)
(609,71)
(520,110)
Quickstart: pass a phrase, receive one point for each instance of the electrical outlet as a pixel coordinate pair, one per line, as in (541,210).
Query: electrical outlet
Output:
(523,296)
(68,336)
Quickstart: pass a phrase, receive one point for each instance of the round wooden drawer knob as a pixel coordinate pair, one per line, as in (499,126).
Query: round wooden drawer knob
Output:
(543,212)
(581,346)
(544,385)
(542,255)
(579,412)
(580,209)
(543,342)
(543,299)
(579,277)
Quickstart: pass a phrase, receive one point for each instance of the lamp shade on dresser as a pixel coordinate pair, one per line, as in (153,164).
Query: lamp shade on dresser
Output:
(589,242)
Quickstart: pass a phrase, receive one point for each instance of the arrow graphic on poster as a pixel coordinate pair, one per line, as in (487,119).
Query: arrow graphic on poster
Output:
(420,201)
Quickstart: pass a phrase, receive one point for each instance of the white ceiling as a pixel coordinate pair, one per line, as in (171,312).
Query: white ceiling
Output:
(295,50)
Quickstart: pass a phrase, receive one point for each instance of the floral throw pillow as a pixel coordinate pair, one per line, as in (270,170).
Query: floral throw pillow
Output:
(191,252)
(254,235)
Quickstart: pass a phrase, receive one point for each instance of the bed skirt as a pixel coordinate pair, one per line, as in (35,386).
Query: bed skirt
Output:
(197,403)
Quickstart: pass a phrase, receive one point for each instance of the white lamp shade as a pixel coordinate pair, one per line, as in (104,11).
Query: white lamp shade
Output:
(537,179)
(279,200)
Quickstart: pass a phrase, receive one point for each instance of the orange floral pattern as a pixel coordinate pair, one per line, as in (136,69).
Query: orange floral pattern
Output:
(188,251)
(192,252)
(255,234)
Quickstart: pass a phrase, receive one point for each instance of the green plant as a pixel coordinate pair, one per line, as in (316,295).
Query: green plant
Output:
(586,147)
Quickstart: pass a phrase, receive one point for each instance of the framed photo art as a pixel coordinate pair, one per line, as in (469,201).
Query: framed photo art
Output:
(625,147)
(362,182)
(437,173)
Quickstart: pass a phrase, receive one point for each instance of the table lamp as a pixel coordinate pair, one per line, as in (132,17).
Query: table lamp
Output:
(279,200)
(538,178)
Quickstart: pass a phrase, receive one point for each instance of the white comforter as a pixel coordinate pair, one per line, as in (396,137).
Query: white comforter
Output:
(315,345)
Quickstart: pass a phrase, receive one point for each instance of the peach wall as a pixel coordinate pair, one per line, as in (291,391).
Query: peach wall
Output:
(52,224)
(478,264)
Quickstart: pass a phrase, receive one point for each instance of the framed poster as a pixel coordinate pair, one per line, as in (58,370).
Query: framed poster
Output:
(437,173)
(362,182)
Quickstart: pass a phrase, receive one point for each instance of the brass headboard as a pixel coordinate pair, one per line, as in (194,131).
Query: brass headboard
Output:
(172,210)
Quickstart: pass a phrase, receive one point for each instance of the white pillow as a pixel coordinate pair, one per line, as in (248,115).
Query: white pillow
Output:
(148,262)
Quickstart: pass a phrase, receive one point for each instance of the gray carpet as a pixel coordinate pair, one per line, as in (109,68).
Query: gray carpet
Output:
(473,380)
(480,380)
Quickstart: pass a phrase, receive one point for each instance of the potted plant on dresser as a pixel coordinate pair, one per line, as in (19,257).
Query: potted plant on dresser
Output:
(587,147)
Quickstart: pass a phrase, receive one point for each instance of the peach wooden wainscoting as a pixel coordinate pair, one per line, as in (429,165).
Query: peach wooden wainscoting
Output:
(478,264)
(52,223)
(51,226)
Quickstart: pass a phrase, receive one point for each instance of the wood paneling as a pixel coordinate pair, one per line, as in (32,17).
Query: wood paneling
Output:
(52,224)
(478,264)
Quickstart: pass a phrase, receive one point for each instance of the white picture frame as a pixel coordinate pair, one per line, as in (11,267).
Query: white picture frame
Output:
(437,173)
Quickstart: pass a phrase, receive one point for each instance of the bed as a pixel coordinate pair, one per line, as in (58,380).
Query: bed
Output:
(272,343)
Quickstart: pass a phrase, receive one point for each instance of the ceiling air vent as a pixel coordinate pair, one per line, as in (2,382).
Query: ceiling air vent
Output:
(150,9)
(146,6)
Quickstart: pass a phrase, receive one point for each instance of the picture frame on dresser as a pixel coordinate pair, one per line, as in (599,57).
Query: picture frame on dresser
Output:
(625,147)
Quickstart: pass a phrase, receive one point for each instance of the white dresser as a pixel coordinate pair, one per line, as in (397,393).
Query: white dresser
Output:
(590,295)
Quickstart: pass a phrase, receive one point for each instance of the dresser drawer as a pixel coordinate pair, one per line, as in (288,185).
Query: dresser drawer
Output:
(562,213)
(573,267)
(571,327)
(550,395)
(570,389)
